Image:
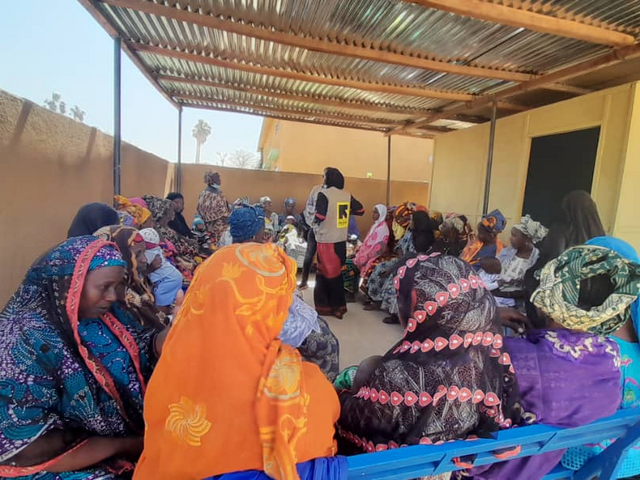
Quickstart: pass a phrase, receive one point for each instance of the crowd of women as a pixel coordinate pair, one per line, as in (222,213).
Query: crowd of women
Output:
(99,381)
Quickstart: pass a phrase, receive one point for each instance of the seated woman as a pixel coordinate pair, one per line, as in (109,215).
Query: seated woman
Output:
(626,337)
(91,217)
(303,329)
(75,366)
(135,291)
(183,252)
(399,244)
(260,407)
(515,261)
(442,380)
(584,294)
(246,224)
(422,241)
(388,253)
(374,245)
(454,234)
(291,240)
(486,243)
(140,215)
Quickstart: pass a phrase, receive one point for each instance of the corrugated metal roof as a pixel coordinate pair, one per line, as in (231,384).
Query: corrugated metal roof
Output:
(393,26)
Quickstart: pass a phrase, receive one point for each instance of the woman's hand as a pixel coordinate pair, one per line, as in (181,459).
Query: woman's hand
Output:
(159,341)
(511,318)
(88,453)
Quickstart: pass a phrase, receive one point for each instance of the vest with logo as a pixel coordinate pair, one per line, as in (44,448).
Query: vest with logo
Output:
(335,227)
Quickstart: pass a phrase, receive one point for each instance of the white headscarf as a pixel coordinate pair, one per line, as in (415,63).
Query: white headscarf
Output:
(382,210)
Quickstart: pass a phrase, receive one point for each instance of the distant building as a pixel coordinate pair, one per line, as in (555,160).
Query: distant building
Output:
(305,148)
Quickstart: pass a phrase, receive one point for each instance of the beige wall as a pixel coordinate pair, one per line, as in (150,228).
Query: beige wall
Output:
(51,165)
(280,185)
(460,157)
(309,148)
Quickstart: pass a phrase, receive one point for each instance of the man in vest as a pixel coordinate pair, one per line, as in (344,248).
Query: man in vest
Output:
(334,206)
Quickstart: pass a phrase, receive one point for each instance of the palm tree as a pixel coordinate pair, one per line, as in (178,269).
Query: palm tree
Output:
(200,132)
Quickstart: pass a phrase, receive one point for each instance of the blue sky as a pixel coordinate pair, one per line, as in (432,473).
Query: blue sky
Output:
(56,46)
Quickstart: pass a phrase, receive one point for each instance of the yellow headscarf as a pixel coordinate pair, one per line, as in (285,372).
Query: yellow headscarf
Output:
(140,214)
(227,395)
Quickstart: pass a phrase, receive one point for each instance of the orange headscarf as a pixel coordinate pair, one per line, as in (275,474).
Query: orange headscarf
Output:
(227,395)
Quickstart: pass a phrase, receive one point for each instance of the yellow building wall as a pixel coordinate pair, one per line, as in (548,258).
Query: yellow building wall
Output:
(460,157)
(306,148)
(627,225)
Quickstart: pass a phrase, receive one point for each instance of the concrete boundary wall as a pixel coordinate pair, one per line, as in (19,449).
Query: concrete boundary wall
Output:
(50,165)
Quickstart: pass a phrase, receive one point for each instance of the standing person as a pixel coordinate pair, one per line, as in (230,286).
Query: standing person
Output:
(270,217)
(309,215)
(179,224)
(213,206)
(333,208)
(77,364)
(92,217)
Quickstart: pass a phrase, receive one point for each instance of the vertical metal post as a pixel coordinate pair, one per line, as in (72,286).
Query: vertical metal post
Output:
(179,172)
(492,135)
(389,170)
(117,98)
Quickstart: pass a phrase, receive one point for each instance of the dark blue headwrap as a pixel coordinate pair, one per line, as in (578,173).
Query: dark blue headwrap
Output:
(245,222)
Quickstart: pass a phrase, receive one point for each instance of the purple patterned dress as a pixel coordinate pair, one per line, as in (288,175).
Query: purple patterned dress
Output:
(566,379)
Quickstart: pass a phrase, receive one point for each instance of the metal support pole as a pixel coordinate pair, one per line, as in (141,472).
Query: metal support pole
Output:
(389,170)
(117,98)
(492,135)
(179,172)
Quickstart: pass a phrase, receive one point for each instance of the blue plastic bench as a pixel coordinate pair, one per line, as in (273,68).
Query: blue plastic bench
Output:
(422,460)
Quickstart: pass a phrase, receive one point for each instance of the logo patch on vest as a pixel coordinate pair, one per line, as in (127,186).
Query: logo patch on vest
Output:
(343,215)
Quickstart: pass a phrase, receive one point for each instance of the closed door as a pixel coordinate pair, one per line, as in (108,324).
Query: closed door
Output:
(559,164)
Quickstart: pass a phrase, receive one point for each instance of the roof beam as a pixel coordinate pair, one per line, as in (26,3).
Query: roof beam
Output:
(516,17)
(306,77)
(313,44)
(615,56)
(90,6)
(366,107)
(287,117)
(285,111)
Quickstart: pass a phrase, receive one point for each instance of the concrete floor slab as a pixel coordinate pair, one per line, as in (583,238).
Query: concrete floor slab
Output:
(361,333)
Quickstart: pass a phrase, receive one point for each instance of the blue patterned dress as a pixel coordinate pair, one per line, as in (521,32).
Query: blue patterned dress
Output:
(45,381)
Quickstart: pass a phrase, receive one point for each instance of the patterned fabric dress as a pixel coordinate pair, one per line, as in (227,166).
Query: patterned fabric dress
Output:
(447,378)
(380,284)
(323,349)
(214,210)
(86,377)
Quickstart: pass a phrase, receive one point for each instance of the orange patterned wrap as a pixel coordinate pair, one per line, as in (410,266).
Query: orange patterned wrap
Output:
(227,395)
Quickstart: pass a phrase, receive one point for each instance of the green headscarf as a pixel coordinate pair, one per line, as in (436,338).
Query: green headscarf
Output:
(559,290)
